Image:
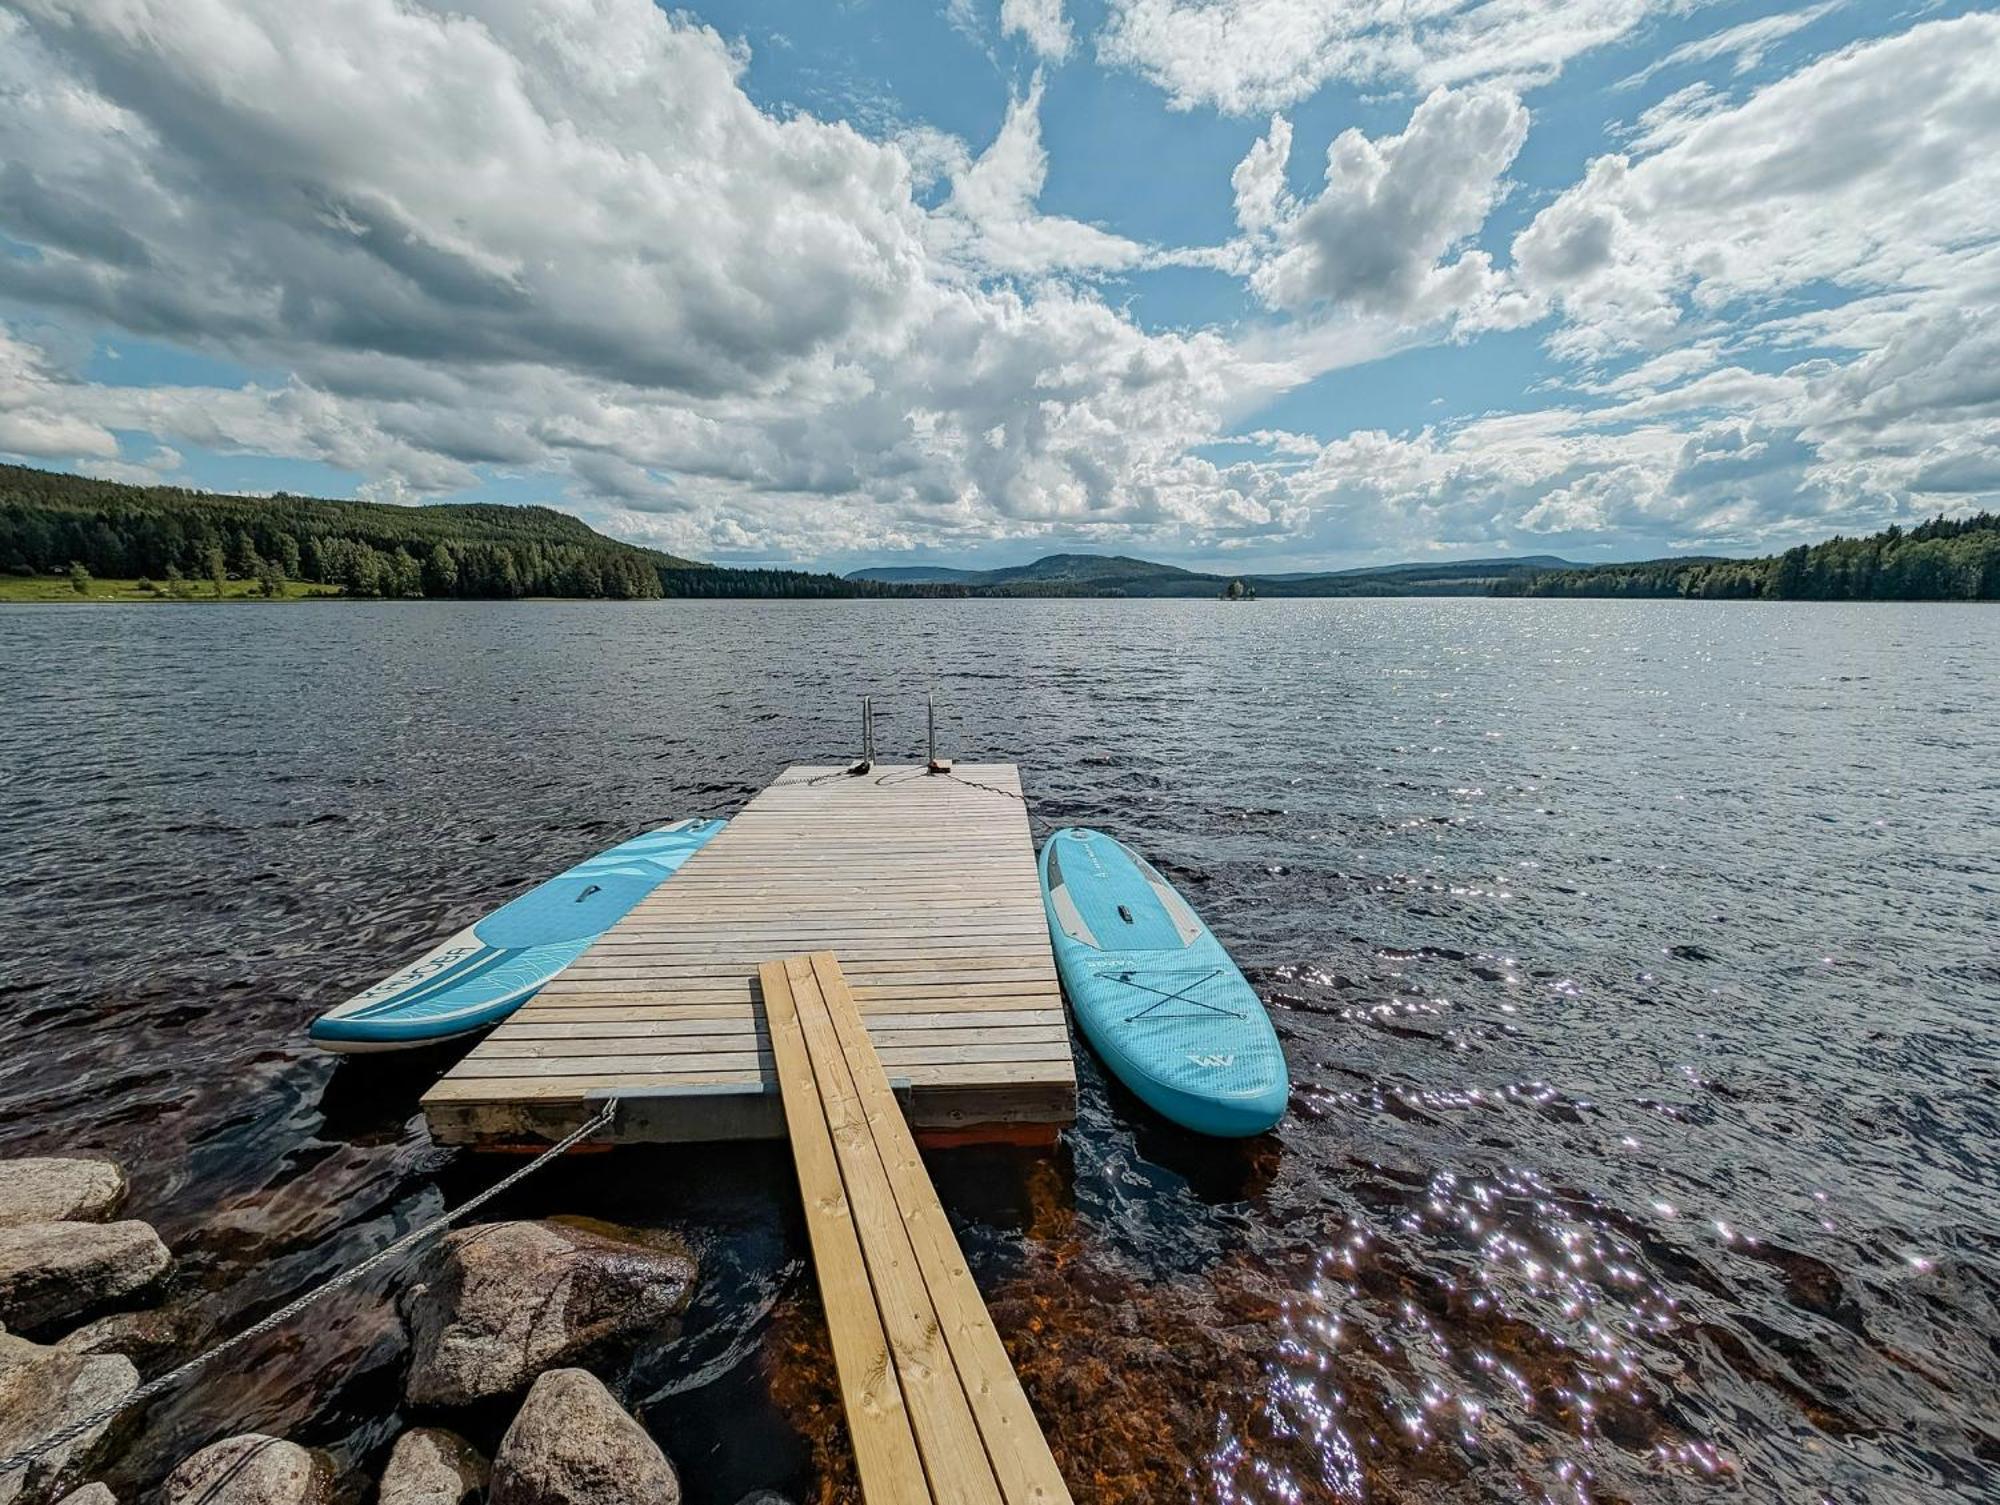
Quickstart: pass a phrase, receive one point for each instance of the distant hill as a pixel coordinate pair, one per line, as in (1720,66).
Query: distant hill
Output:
(1121,575)
(189,544)
(1500,565)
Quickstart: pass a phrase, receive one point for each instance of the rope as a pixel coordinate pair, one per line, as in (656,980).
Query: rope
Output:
(1035,817)
(989,788)
(66,1435)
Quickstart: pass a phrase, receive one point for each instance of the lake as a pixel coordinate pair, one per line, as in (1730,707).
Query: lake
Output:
(1635,963)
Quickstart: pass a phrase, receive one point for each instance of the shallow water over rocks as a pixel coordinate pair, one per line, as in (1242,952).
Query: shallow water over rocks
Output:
(1634,962)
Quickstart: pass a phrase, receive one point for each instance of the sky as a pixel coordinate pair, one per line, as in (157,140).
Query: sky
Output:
(1239,283)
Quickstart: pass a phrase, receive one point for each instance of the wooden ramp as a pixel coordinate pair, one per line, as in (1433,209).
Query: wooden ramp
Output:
(933,1404)
(926,888)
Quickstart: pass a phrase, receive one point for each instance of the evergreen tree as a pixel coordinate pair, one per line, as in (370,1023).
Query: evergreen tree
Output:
(441,571)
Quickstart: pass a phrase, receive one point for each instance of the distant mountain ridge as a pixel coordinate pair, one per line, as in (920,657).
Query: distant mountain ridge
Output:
(1122,575)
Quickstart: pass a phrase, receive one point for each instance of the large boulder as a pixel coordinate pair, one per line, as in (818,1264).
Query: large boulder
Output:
(43,1390)
(52,1272)
(503,1301)
(430,1466)
(251,1470)
(572,1444)
(90,1494)
(54,1190)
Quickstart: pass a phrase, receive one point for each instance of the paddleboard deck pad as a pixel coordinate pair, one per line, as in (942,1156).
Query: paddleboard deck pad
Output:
(1154,992)
(486,971)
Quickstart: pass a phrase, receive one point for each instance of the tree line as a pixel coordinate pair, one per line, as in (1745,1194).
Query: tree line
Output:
(1945,559)
(190,542)
(714,582)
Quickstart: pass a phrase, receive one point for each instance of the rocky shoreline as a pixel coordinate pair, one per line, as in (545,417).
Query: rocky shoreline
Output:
(499,1314)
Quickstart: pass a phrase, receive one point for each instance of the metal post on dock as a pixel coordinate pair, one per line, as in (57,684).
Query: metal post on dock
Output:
(867,760)
(934,763)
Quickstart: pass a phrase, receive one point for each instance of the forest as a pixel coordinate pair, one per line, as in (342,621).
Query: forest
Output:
(1945,559)
(180,544)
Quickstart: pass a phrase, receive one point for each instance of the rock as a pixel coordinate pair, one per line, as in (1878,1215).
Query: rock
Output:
(504,1301)
(90,1494)
(146,1338)
(43,1390)
(251,1470)
(56,1190)
(51,1272)
(572,1444)
(763,1497)
(430,1466)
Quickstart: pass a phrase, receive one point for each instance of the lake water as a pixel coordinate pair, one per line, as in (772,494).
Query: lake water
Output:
(1635,962)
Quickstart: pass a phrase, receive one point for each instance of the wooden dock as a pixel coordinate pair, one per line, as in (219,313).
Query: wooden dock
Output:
(933,1405)
(923,885)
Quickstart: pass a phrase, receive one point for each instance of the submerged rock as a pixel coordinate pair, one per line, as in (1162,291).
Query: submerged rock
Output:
(55,1190)
(251,1470)
(573,1444)
(43,1390)
(504,1301)
(430,1466)
(51,1272)
(146,1338)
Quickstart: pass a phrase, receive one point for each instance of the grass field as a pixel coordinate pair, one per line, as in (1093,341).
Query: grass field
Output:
(14,588)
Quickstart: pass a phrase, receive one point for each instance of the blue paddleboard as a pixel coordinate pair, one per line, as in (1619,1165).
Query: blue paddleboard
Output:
(1155,993)
(485,972)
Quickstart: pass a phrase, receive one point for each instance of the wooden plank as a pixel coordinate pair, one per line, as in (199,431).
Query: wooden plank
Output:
(885,1445)
(940,1414)
(1015,1447)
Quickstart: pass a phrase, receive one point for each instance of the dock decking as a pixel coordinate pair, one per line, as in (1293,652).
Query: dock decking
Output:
(923,885)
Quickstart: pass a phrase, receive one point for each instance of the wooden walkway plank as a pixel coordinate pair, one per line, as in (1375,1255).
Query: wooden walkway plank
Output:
(885,1448)
(978,1440)
(947,1436)
(1020,1454)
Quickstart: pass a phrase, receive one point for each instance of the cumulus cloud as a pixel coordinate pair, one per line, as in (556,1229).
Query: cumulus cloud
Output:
(1391,209)
(36,417)
(1040,22)
(991,219)
(1245,56)
(1785,314)
(1262,202)
(556,238)
(1867,169)
(558,235)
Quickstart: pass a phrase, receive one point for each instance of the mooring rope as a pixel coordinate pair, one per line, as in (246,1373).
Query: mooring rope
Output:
(1035,817)
(63,1436)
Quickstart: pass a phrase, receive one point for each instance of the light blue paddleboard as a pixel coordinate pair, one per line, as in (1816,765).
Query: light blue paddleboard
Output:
(485,972)
(1155,993)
